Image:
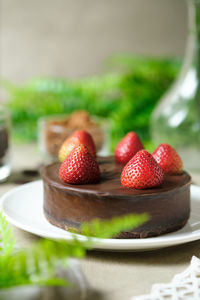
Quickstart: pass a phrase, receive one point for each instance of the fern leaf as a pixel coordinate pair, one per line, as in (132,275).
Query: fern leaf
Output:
(7,241)
(111,228)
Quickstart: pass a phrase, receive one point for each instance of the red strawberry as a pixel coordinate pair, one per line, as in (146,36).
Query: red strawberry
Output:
(80,167)
(142,172)
(128,147)
(77,138)
(168,159)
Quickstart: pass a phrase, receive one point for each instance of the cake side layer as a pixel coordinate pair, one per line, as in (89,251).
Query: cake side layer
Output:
(167,213)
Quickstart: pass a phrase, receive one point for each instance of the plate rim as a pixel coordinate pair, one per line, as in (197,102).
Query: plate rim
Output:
(102,244)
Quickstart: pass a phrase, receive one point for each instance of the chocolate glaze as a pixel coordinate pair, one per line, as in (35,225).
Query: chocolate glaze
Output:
(68,205)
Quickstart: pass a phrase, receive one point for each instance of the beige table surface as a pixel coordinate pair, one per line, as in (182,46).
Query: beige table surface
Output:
(113,276)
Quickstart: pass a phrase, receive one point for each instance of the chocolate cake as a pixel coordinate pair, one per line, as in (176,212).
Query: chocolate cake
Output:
(67,206)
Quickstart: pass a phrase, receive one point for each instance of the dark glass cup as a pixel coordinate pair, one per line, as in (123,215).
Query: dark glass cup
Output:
(5,125)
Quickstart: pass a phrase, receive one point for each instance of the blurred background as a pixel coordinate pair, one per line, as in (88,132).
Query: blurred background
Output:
(72,38)
(104,65)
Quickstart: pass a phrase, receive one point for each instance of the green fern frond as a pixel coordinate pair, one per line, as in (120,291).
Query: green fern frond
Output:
(111,228)
(7,241)
(36,265)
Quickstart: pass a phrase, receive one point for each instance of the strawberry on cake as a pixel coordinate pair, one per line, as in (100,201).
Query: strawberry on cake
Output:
(77,138)
(128,147)
(142,172)
(80,167)
(84,187)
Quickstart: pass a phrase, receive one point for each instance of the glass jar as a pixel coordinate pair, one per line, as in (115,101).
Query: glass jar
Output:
(5,124)
(176,119)
(53,131)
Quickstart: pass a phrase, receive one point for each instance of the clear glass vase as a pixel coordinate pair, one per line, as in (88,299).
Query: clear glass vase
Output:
(176,119)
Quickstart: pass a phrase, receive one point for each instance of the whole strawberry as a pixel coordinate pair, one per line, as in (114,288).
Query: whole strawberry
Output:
(77,138)
(128,147)
(80,167)
(142,172)
(168,159)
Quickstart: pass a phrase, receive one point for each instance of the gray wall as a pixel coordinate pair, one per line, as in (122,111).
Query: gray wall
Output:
(73,37)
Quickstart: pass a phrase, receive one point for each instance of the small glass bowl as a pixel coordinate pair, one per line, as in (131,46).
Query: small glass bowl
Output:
(5,127)
(53,131)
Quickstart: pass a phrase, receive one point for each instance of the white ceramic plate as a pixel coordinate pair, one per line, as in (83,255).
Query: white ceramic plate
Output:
(23,207)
